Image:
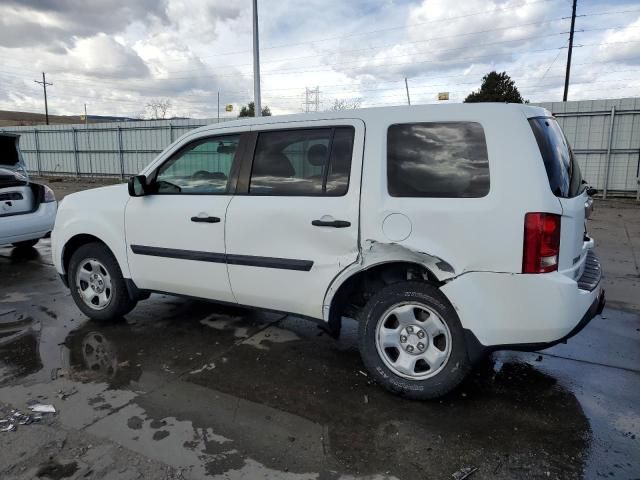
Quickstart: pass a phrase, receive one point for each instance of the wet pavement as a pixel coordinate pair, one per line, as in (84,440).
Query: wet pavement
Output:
(185,389)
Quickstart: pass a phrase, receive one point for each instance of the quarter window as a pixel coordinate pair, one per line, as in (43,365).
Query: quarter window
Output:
(302,162)
(202,167)
(447,159)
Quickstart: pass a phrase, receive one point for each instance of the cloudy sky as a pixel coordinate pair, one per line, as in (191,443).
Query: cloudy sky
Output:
(117,55)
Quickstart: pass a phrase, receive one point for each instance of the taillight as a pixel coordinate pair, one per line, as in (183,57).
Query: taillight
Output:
(49,196)
(541,243)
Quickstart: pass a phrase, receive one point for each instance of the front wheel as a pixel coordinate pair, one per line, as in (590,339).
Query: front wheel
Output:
(96,283)
(412,342)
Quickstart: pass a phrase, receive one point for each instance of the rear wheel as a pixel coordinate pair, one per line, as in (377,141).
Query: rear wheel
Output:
(26,243)
(96,283)
(412,342)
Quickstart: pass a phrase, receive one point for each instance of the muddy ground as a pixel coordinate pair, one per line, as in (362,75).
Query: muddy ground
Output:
(186,389)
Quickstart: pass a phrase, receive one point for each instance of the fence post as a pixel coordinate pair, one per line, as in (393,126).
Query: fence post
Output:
(37,141)
(120,152)
(171,132)
(608,164)
(75,151)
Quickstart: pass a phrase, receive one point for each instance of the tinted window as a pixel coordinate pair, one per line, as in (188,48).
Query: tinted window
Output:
(563,171)
(302,162)
(437,160)
(202,167)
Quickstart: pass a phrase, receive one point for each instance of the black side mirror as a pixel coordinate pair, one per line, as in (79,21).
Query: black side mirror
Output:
(592,191)
(138,186)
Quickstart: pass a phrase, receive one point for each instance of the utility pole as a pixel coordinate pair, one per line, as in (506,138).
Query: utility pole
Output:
(566,78)
(256,63)
(406,85)
(46,106)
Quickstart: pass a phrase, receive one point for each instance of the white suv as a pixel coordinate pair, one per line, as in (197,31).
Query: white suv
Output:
(448,231)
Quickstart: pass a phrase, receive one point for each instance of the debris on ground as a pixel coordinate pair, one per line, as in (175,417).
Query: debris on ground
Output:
(366,399)
(208,366)
(63,394)
(11,421)
(464,473)
(42,408)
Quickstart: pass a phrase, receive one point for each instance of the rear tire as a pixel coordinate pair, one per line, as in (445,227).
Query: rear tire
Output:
(26,243)
(96,283)
(412,342)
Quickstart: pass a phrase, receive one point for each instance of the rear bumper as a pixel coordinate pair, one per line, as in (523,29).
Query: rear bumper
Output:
(477,350)
(501,311)
(28,226)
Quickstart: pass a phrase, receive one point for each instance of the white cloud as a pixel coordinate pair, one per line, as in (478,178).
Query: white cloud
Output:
(115,55)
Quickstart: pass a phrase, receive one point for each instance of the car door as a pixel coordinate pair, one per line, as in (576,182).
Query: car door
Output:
(175,232)
(293,225)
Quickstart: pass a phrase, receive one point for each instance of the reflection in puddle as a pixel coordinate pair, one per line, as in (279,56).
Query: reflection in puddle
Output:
(290,401)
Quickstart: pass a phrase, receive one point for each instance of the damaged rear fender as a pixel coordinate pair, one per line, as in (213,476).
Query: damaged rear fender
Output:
(376,253)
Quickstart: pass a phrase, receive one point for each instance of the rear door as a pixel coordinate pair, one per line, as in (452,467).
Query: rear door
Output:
(565,181)
(293,224)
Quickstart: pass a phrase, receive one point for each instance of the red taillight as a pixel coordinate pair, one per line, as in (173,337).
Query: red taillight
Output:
(541,243)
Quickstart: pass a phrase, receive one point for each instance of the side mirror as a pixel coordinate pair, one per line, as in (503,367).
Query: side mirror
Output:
(138,186)
(592,191)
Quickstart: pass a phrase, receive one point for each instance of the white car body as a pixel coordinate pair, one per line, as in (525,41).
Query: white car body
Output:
(19,224)
(472,248)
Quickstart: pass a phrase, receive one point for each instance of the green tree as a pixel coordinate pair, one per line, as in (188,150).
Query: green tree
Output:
(250,111)
(496,87)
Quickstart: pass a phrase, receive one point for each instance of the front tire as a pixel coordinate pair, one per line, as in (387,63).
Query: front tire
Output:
(412,342)
(96,283)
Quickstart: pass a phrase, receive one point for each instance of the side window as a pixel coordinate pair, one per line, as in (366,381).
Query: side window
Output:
(302,162)
(202,167)
(447,159)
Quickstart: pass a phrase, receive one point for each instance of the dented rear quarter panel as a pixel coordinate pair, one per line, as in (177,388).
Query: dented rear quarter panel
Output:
(454,236)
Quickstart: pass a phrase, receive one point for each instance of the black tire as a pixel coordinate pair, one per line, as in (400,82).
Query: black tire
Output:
(26,243)
(455,368)
(120,303)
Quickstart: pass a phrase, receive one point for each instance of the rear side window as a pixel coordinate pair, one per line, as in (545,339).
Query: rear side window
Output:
(302,162)
(447,159)
(562,169)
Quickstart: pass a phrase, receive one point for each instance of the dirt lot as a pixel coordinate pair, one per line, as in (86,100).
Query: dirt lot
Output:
(185,389)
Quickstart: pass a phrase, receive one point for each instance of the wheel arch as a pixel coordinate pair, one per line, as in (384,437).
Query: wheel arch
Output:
(368,279)
(75,242)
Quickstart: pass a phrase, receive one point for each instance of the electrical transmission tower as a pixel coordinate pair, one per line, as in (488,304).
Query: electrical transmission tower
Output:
(46,107)
(311,99)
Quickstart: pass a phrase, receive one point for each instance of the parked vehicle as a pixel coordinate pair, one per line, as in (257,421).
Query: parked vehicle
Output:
(27,210)
(448,231)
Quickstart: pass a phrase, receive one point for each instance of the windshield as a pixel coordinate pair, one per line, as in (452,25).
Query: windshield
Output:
(562,169)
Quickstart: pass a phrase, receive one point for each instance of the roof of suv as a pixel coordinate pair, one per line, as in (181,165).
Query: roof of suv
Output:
(489,109)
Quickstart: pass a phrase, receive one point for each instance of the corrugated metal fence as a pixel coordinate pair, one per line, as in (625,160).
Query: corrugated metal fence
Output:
(98,149)
(605,135)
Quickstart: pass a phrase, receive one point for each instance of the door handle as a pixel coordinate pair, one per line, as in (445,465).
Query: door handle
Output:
(331,223)
(205,219)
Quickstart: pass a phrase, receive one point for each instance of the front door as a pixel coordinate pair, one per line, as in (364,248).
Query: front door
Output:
(175,232)
(295,225)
